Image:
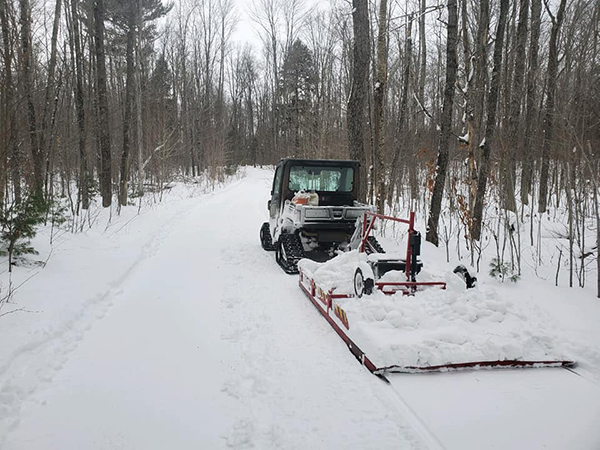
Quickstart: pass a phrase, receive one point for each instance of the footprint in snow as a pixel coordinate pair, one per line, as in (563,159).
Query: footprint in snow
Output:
(241,435)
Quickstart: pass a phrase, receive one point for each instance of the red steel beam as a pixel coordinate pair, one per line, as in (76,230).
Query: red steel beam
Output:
(505,364)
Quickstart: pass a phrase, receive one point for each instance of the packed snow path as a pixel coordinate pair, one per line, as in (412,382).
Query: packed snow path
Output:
(208,344)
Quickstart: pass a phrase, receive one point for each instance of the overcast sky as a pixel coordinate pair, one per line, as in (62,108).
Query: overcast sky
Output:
(247,30)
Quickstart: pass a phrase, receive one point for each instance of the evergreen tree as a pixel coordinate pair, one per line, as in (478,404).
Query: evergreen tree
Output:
(17,227)
(297,86)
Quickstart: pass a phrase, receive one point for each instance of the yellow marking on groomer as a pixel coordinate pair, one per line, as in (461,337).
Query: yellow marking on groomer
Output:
(341,314)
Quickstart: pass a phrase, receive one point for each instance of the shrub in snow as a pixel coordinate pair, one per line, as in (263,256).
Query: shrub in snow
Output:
(17,223)
(502,271)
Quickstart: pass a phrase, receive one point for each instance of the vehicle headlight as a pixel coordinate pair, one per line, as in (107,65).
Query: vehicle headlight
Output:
(316,213)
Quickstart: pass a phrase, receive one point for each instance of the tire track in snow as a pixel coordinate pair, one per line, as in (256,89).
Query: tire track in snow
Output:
(36,363)
(289,381)
(295,384)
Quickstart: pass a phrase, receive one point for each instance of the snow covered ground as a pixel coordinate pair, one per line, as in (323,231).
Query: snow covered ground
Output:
(174,329)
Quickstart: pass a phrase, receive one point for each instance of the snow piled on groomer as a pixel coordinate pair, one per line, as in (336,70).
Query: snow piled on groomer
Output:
(434,326)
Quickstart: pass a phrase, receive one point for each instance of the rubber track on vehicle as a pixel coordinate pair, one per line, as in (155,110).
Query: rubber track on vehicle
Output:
(294,250)
(265,237)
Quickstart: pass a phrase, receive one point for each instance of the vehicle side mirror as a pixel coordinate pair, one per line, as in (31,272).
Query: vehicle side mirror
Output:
(269,205)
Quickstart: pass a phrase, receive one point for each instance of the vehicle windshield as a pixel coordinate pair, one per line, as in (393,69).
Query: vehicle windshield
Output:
(321,178)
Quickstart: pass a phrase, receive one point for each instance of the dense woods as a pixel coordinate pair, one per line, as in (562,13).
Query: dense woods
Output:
(478,114)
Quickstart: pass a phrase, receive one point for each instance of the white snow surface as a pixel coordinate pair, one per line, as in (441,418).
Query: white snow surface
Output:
(336,274)
(435,326)
(172,328)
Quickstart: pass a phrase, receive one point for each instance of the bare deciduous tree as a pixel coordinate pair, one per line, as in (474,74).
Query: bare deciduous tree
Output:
(550,101)
(102,101)
(490,127)
(379,94)
(358,92)
(446,125)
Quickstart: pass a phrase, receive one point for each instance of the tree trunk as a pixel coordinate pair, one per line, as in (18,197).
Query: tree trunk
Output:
(102,100)
(526,166)
(139,129)
(219,120)
(379,108)
(129,100)
(358,93)
(550,100)
(34,142)
(514,116)
(468,118)
(480,71)
(490,128)
(79,104)
(46,136)
(14,163)
(446,125)
(402,110)
(423,48)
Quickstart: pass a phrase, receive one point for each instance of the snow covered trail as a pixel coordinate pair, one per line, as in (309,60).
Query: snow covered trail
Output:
(208,344)
(505,409)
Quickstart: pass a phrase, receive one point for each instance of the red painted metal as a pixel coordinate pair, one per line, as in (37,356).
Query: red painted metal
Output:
(364,234)
(366,230)
(395,219)
(505,364)
(354,349)
(411,231)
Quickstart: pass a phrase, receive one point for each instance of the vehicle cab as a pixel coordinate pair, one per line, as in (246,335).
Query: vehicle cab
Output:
(329,217)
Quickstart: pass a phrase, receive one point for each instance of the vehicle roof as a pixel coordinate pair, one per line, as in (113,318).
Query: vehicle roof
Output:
(325,162)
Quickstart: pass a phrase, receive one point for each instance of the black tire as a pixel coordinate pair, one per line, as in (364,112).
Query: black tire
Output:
(464,274)
(265,238)
(374,245)
(362,285)
(288,252)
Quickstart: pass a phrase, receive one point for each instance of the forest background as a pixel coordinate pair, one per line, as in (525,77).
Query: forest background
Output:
(482,116)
